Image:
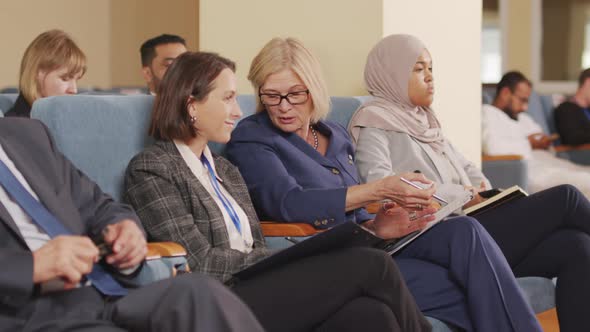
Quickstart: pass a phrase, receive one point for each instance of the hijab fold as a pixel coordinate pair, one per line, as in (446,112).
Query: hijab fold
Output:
(387,73)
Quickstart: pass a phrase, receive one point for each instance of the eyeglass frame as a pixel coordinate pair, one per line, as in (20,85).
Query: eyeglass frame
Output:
(286,97)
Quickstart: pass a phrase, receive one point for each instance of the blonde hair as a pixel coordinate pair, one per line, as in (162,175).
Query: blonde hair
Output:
(290,53)
(51,50)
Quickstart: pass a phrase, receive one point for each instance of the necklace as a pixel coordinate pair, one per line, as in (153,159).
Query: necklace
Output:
(316,142)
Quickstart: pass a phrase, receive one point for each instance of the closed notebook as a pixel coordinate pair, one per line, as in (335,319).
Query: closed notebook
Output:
(506,195)
(345,235)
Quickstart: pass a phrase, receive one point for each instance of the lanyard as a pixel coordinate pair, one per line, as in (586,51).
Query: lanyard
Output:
(226,204)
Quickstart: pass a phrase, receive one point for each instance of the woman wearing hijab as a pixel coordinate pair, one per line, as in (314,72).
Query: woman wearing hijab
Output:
(299,168)
(545,234)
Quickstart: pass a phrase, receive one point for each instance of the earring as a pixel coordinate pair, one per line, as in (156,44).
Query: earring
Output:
(193,119)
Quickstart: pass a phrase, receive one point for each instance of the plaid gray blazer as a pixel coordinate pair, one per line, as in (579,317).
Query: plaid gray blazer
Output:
(174,206)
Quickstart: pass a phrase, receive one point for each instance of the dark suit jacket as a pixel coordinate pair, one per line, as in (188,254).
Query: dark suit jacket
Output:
(289,180)
(65,191)
(572,124)
(21,108)
(174,206)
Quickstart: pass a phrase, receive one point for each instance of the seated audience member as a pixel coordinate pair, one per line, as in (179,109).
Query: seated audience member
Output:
(51,66)
(572,118)
(184,193)
(157,55)
(53,278)
(299,168)
(508,129)
(545,234)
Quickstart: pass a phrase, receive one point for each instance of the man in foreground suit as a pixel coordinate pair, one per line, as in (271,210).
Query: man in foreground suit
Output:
(50,279)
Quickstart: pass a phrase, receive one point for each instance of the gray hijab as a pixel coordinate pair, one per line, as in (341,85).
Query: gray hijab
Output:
(387,73)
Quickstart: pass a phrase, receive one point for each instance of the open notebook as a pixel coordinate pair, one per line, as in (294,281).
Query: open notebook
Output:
(504,196)
(346,235)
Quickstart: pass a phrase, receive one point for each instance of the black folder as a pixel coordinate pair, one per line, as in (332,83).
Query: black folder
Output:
(345,235)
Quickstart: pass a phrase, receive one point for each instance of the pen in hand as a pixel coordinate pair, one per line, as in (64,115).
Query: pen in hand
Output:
(438,198)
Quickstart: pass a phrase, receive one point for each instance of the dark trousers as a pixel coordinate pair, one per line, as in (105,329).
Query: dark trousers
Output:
(475,265)
(356,289)
(548,234)
(189,302)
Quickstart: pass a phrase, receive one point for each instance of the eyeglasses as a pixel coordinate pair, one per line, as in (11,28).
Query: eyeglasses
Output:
(293,98)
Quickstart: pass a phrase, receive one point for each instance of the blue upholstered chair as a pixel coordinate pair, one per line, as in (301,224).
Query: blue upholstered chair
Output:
(100,134)
(6,101)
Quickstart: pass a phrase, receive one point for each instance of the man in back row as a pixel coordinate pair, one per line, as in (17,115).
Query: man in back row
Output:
(52,279)
(157,55)
(506,126)
(572,118)
(508,129)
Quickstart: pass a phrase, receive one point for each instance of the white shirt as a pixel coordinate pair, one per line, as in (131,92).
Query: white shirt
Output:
(34,236)
(241,242)
(503,135)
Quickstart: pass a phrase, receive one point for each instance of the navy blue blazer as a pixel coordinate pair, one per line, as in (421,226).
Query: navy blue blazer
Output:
(288,179)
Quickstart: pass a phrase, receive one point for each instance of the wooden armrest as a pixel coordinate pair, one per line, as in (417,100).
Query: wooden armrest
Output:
(158,250)
(373,208)
(548,320)
(271,228)
(501,157)
(565,148)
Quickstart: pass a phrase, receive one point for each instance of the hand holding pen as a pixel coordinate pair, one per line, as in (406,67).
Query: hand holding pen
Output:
(412,197)
(438,198)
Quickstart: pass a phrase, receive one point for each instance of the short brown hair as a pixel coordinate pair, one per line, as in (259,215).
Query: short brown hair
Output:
(51,50)
(190,75)
(584,75)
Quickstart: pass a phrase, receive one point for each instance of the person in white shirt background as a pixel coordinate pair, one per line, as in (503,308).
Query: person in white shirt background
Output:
(508,129)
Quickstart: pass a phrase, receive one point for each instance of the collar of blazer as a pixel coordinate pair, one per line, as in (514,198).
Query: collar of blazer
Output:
(229,175)
(223,168)
(303,146)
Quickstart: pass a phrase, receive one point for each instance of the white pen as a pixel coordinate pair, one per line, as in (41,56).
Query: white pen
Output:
(438,198)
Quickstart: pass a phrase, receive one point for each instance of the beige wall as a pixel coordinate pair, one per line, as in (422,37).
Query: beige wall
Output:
(86,20)
(339,32)
(134,21)
(108,31)
(453,38)
(519,44)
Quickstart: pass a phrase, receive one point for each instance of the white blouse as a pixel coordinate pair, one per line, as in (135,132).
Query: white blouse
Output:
(241,242)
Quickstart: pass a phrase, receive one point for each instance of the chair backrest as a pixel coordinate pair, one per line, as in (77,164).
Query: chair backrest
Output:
(6,101)
(9,90)
(541,110)
(99,134)
(342,109)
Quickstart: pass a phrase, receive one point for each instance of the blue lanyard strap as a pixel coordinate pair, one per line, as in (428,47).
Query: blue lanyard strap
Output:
(39,214)
(226,204)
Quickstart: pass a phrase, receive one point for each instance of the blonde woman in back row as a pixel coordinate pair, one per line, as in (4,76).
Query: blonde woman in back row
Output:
(51,66)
